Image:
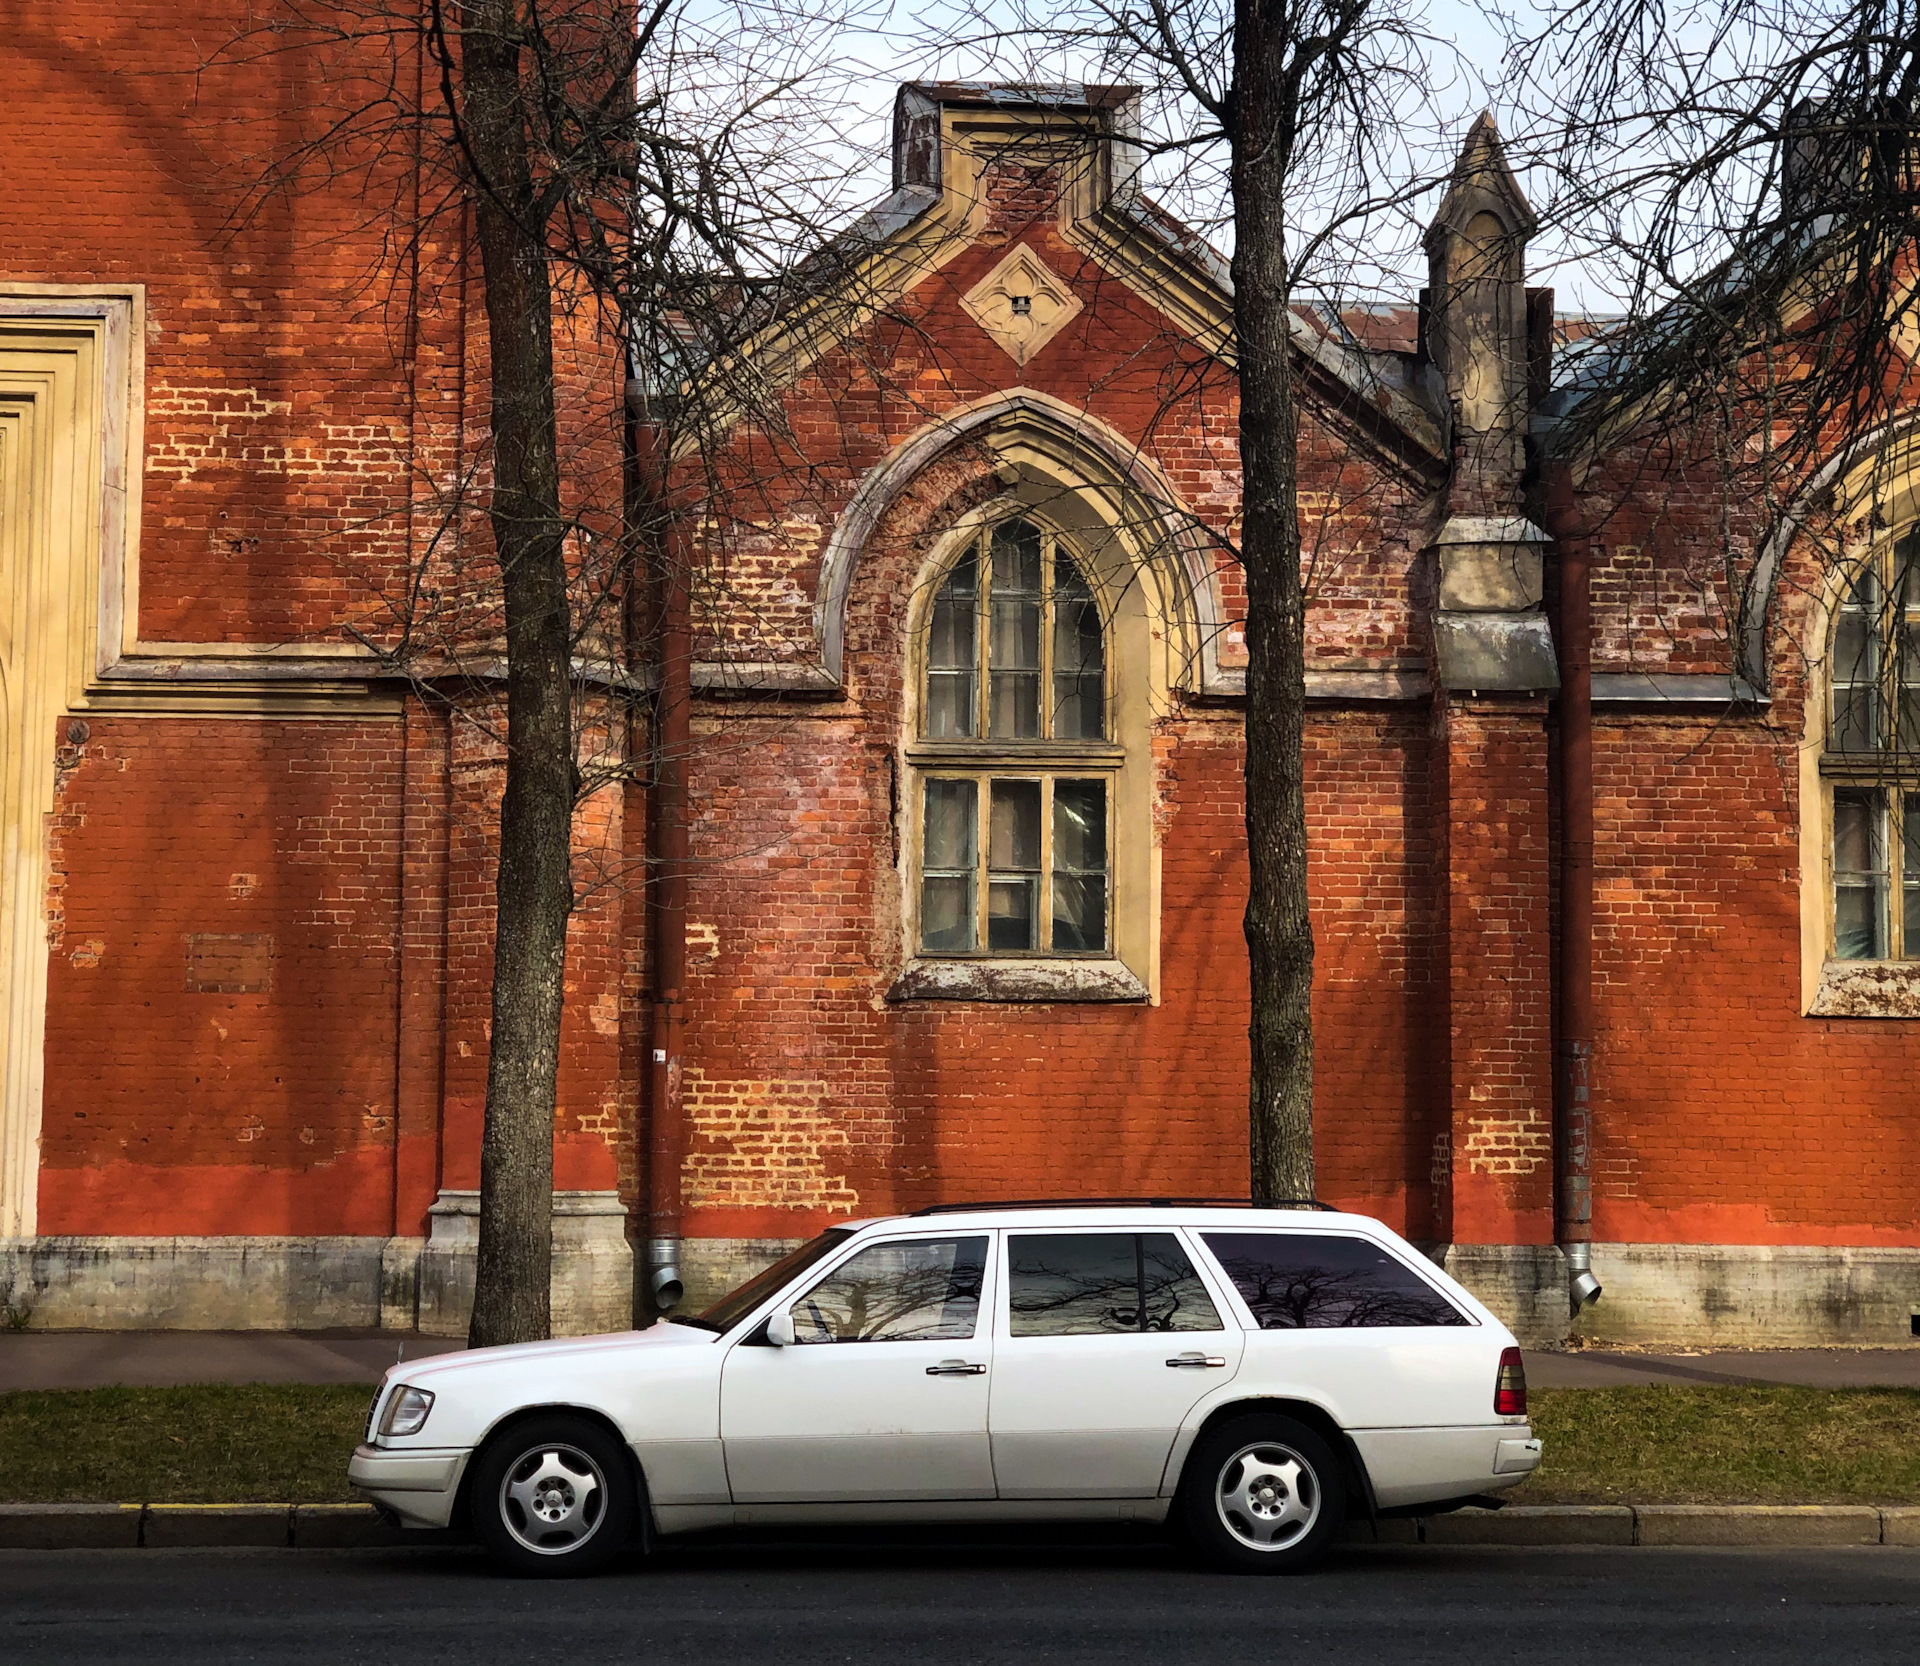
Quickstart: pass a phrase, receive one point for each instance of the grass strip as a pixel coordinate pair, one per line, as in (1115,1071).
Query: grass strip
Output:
(1724,1445)
(278,1444)
(213,1444)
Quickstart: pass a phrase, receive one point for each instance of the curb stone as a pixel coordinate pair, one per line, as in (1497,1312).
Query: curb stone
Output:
(69,1526)
(359,1526)
(1533,1524)
(341,1527)
(1900,1527)
(223,1526)
(1757,1524)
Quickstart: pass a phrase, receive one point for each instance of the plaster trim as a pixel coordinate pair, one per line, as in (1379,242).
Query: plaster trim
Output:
(1107,467)
(114,670)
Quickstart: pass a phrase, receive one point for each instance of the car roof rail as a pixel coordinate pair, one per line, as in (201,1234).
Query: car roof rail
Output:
(1125,1203)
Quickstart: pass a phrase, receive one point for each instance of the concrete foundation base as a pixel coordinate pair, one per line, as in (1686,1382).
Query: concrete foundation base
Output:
(710,1267)
(1524,1284)
(322,1283)
(1753,1295)
(1722,1295)
(592,1288)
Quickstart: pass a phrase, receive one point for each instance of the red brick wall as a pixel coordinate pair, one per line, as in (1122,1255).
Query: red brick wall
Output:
(175,1110)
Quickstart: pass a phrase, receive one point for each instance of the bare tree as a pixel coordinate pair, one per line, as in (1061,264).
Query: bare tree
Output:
(1308,118)
(1743,180)
(637,179)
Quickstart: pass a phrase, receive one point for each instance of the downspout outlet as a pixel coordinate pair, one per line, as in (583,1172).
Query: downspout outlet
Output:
(663,1281)
(1582,1286)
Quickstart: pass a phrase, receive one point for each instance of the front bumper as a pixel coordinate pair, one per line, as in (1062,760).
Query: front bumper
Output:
(418,1484)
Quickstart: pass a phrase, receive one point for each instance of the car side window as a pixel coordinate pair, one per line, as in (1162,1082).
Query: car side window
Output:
(1104,1284)
(918,1290)
(1313,1281)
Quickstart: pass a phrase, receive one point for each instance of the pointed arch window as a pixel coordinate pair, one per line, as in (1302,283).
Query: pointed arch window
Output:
(1871,759)
(1016,768)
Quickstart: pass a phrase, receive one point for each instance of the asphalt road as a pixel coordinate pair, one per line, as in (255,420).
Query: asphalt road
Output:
(953,1603)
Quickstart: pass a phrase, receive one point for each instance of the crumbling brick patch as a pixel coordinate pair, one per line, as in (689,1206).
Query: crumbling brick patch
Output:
(764,1145)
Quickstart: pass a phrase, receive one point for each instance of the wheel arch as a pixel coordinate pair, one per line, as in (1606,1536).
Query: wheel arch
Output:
(1360,1497)
(508,1421)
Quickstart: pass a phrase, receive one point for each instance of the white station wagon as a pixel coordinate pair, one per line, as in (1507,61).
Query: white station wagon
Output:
(1253,1375)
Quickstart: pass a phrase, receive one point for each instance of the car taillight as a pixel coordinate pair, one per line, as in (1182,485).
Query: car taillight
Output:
(1510,1386)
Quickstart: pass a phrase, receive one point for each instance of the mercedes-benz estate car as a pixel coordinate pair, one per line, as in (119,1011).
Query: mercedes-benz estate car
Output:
(1253,1376)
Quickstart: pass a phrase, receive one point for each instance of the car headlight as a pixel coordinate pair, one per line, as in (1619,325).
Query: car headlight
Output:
(406,1412)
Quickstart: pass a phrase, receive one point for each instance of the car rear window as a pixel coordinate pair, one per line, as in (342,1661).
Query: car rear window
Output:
(1315,1281)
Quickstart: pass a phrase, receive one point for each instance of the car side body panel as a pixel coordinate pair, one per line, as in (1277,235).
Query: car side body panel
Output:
(1416,1401)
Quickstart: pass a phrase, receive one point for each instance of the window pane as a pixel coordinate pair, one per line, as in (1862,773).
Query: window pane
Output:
(1859,874)
(1174,1297)
(1907,658)
(1910,816)
(1079,656)
(1301,1281)
(926,1290)
(1013,634)
(953,652)
(946,913)
(949,851)
(1855,670)
(1856,717)
(1079,866)
(1079,1285)
(1016,558)
(1013,866)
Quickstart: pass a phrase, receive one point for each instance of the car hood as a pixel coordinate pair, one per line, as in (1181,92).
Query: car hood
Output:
(633,1342)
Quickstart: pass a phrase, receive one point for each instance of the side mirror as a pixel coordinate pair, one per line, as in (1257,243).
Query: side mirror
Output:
(780,1329)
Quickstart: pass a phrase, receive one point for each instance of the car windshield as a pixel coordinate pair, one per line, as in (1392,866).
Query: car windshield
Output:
(737,1304)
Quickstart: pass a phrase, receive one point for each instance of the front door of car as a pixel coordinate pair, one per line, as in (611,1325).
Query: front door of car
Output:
(883,1392)
(1106,1341)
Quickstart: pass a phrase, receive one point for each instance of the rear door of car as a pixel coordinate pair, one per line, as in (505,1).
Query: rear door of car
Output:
(883,1393)
(1357,1327)
(1106,1338)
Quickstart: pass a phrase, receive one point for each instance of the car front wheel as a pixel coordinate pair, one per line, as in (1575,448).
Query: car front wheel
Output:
(553,1496)
(1262,1494)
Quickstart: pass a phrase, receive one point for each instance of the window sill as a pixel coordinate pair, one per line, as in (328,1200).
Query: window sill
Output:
(1017,980)
(1867,989)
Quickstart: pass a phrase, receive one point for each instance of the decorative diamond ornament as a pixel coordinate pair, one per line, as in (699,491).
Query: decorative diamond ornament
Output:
(1021,304)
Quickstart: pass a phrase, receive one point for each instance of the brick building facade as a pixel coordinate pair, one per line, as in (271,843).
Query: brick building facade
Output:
(969,855)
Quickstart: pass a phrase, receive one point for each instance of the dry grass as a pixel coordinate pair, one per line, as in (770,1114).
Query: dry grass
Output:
(203,1445)
(1603,1445)
(1726,1446)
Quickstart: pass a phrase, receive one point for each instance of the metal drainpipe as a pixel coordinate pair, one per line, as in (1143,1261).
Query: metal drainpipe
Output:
(668,617)
(1573,1049)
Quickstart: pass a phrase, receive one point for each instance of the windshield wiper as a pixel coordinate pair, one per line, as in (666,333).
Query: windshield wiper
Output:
(697,1324)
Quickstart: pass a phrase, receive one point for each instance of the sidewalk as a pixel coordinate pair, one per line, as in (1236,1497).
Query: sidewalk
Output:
(97,1359)
(1804,1367)
(93,1359)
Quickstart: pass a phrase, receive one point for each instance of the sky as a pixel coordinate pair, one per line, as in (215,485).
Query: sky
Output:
(854,61)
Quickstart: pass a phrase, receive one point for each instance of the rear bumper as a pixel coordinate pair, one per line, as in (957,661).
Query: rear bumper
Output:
(419,1486)
(1428,1466)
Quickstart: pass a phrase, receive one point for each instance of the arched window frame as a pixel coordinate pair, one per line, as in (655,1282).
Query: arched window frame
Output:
(988,765)
(1869,759)
(1145,642)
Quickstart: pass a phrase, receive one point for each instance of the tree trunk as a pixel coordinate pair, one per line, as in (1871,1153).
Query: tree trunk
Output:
(534,888)
(1279,932)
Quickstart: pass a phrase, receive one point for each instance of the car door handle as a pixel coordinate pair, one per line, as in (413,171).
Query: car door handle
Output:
(1202,1361)
(956,1368)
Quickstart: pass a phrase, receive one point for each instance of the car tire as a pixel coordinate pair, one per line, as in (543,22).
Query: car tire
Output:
(553,1497)
(1261,1493)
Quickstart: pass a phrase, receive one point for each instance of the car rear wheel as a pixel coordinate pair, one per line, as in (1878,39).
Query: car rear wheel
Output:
(553,1496)
(1262,1494)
